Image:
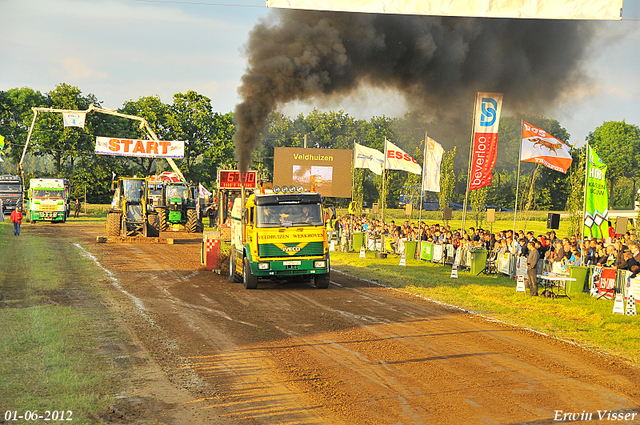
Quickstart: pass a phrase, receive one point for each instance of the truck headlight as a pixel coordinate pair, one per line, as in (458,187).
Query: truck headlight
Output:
(263,266)
(320,264)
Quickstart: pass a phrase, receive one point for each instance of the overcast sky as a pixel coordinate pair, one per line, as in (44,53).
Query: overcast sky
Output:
(121,50)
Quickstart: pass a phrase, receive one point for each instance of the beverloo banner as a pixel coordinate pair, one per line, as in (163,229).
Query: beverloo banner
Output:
(596,197)
(485,138)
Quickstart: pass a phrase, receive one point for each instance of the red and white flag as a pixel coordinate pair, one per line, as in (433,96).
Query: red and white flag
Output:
(397,159)
(540,147)
(485,139)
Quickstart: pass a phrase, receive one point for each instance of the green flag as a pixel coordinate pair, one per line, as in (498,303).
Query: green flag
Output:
(1,148)
(597,197)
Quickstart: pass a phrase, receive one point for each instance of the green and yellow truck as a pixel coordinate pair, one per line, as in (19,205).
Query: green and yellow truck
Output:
(48,200)
(280,234)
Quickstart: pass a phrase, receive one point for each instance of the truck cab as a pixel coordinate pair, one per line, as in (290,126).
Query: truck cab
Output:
(48,200)
(10,192)
(279,235)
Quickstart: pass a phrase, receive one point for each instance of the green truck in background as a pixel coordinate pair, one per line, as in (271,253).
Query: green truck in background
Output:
(48,200)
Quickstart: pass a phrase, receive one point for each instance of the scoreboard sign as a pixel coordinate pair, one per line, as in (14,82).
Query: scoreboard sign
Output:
(231,179)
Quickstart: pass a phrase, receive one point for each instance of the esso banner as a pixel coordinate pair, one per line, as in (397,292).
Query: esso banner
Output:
(140,148)
(485,139)
(397,159)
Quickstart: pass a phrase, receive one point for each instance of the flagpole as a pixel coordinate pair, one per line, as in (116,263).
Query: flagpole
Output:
(515,210)
(466,196)
(424,173)
(584,200)
(383,247)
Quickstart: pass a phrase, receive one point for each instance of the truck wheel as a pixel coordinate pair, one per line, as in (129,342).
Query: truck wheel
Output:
(163,219)
(233,278)
(153,226)
(192,221)
(114,220)
(249,279)
(322,280)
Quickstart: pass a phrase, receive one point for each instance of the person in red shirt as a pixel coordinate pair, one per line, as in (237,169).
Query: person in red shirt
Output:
(16,219)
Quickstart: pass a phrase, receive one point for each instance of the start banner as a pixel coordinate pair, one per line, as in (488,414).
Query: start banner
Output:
(485,138)
(140,148)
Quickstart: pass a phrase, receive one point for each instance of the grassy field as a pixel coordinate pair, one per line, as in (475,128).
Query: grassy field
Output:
(582,319)
(51,329)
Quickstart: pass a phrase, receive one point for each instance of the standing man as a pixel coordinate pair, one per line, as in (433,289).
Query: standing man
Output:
(211,213)
(16,219)
(76,207)
(532,269)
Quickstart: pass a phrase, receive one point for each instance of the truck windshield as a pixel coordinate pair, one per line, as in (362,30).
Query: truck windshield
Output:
(42,193)
(133,190)
(289,215)
(181,192)
(10,187)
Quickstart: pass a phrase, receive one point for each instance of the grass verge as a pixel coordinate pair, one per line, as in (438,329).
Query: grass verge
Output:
(52,326)
(582,319)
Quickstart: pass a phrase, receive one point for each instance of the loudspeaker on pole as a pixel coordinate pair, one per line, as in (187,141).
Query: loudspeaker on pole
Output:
(621,225)
(448,213)
(553,221)
(491,215)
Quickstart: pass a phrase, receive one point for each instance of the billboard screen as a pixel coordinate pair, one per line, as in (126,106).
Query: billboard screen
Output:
(328,169)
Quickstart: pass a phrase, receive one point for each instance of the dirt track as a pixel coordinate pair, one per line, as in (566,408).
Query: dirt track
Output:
(209,351)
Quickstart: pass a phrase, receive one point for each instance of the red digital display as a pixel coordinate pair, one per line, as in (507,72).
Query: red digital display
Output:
(228,179)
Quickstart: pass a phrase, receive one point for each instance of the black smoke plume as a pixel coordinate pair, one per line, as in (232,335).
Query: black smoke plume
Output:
(437,63)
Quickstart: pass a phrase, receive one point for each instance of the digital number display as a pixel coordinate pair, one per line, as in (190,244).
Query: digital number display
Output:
(232,180)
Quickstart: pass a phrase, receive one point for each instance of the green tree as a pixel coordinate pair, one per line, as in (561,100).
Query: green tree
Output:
(618,145)
(16,116)
(447,178)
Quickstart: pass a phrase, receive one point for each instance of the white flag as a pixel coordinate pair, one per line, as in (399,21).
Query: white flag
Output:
(202,191)
(364,157)
(432,160)
(397,159)
(74,119)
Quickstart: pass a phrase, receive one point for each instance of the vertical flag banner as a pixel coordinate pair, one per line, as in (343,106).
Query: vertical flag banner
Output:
(540,147)
(432,160)
(364,157)
(397,159)
(597,197)
(74,119)
(1,148)
(485,138)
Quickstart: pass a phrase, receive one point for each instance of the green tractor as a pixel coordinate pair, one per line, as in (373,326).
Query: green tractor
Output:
(130,214)
(178,207)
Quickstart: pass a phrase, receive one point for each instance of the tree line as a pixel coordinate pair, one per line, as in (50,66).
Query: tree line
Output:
(68,152)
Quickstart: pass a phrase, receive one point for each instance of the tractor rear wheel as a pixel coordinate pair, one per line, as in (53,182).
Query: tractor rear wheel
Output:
(163,219)
(153,226)
(192,221)
(114,220)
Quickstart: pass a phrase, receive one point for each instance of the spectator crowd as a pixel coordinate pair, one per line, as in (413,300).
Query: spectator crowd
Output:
(618,251)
